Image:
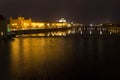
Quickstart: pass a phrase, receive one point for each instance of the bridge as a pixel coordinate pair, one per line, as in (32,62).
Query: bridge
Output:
(39,30)
(72,31)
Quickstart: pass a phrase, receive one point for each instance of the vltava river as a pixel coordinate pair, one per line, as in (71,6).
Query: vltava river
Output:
(59,58)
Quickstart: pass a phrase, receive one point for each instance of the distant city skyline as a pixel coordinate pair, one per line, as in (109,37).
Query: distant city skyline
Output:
(84,11)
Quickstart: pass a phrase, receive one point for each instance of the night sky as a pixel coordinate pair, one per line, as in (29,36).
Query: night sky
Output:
(84,11)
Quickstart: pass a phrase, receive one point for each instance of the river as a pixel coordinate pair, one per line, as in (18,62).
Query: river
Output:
(59,58)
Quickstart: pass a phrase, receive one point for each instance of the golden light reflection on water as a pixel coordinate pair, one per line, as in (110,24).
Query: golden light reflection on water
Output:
(36,55)
(56,57)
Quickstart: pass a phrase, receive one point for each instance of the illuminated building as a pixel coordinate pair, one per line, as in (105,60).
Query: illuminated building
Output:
(21,24)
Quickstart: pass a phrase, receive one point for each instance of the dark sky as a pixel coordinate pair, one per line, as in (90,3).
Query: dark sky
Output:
(84,11)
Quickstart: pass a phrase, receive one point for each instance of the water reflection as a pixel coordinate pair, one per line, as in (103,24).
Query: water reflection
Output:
(100,50)
(38,55)
(58,58)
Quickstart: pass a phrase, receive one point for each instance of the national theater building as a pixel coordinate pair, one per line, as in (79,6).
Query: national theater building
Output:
(21,23)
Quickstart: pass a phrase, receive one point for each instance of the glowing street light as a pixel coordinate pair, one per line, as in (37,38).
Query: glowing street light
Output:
(90,32)
(101,33)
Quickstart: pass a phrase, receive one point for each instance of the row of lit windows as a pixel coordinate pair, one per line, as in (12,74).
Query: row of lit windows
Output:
(34,24)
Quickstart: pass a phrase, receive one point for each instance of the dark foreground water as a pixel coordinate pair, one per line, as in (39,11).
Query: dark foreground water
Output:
(59,58)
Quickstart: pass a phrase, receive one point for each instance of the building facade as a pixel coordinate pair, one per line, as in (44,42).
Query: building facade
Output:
(21,23)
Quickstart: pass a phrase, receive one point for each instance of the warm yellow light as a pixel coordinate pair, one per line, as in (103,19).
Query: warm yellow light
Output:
(48,24)
(14,24)
(41,24)
(26,24)
(69,25)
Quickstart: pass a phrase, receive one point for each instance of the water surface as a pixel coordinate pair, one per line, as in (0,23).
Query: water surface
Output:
(59,58)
